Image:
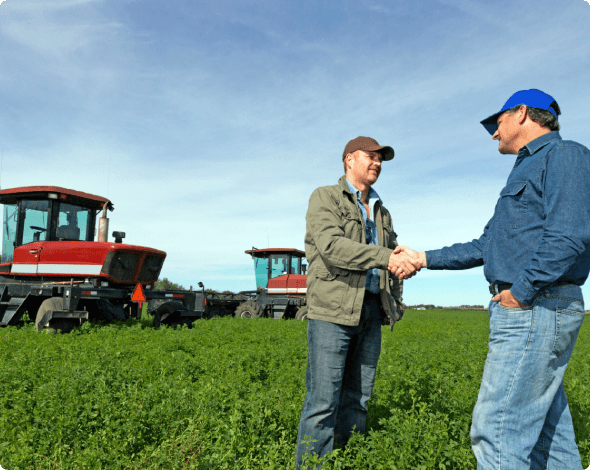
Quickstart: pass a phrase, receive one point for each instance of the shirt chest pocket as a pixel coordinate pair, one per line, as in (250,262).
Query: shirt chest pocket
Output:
(512,206)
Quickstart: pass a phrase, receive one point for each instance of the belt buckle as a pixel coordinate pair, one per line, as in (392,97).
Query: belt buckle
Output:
(493,289)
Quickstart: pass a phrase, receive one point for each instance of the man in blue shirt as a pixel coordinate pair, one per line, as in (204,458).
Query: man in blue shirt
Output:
(536,254)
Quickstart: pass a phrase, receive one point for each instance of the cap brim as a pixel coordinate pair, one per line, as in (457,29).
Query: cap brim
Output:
(386,152)
(491,123)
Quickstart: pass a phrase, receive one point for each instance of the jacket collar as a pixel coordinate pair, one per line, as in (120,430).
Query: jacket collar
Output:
(372,193)
(344,184)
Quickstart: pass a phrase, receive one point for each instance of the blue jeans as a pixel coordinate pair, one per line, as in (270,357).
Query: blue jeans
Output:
(341,366)
(521,419)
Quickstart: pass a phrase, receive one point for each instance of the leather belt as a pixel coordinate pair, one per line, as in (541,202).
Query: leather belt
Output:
(497,288)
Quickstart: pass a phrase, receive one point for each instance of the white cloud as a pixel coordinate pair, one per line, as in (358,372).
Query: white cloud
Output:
(54,38)
(36,5)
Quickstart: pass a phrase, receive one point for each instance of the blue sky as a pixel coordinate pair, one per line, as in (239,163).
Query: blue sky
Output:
(209,124)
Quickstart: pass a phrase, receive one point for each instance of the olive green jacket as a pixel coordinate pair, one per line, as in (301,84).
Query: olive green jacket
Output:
(339,257)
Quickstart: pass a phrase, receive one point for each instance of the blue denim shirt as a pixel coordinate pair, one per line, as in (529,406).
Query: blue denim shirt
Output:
(540,231)
(372,284)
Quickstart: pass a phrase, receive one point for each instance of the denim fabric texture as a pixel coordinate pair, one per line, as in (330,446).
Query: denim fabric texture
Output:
(522,419)
(372,284)
(340,375)
(540,231)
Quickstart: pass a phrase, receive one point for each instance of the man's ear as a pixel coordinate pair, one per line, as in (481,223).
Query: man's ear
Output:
(524,112)
(347,160)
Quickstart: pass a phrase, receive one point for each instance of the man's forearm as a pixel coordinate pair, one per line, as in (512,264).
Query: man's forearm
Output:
(457,256)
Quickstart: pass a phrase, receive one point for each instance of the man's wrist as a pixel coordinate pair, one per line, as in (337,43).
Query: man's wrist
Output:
(523,294)
(423,260)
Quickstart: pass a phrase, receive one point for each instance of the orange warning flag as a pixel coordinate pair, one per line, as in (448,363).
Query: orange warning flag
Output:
(138,295)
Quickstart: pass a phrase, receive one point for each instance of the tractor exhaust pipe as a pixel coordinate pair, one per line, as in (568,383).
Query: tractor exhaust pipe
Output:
(103,226)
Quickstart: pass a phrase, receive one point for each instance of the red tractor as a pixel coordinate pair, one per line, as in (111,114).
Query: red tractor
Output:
(54,270)
(281,285)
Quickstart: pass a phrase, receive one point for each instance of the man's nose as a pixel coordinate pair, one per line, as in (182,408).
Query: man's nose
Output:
(496,135)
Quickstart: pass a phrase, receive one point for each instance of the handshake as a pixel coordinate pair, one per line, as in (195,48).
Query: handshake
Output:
(405,262)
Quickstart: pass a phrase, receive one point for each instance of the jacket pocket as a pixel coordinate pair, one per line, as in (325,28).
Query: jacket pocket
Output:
(512,206)
(352,226)
(328,289)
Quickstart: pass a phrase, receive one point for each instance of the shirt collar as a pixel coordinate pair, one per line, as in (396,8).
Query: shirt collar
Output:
(540,142)
(372,193)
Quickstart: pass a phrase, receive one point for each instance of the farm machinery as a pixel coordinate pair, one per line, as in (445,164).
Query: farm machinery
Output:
(281,285)
(53,269)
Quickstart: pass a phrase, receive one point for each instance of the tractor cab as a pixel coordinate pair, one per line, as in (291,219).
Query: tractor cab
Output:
(279,269)
(47,213)
(48,233)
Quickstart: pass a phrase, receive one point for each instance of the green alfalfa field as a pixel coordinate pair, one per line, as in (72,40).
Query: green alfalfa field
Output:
(227,394)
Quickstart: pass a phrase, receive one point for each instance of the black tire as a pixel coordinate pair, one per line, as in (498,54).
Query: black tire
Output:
(152,308)
(248,309)
(166,314)
(54,324)
(301,313)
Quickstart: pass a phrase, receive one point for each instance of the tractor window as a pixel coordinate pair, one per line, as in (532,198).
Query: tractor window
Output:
(279,265)
(261,270)
(35,223)
(72,222)
(9,232)
(295,265)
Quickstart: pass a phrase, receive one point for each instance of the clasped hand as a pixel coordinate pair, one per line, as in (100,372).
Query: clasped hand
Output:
(405,262)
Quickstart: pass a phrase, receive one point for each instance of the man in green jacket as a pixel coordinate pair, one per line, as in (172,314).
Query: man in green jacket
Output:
(349,244)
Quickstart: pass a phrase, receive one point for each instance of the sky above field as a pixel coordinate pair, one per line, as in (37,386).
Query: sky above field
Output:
(209,123)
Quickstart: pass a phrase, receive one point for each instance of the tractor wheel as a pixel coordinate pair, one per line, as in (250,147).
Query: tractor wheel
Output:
(152,308)
(164,314)
(249,309)
(301,313)
(54,324)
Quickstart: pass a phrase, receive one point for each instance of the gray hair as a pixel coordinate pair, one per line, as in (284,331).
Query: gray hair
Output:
(540,116)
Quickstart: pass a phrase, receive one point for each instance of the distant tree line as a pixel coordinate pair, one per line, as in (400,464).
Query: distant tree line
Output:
(438,307)
(165,284)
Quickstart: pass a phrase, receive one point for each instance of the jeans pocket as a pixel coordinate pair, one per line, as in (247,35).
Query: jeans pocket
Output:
(514,309)
(567,325)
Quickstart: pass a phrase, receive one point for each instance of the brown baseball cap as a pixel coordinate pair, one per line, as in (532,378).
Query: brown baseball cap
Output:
(369,145)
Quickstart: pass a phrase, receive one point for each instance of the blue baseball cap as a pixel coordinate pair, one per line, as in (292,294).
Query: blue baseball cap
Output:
(532,98)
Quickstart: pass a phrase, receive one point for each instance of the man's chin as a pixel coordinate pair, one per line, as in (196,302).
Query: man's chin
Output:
(372,179)
(503,150)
